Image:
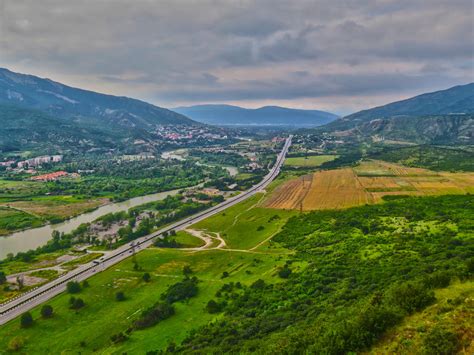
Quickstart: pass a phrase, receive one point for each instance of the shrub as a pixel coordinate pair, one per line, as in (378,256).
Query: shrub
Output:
(26,320)
(438,279)
(440,341)
(181,290)
(16,344)
(411,296)
(155,314)
(146,277)
(73,287)
(213,307)
(46,311)
(120,296)
(284,272)
(76,303)
(3,278)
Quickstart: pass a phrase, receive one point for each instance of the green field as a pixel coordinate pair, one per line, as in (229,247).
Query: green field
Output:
(245,225)
(103,316)
(12,219)
(309,161)
(186,240)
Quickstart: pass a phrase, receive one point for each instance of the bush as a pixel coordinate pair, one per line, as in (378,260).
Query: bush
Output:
(224,275)
(3,278)
(440,341)
(73,287)
(146,277)
(26,320)
(213,307)
(411,296)
(181,290)
(120,296)
(76,303)
(16,344)
(155,314)
(438,279)
(46,311)
(284,272)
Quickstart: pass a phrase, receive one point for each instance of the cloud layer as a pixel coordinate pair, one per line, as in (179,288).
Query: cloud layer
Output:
(339,55)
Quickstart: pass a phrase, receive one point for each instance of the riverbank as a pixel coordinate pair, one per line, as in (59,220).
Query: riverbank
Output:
(32,238)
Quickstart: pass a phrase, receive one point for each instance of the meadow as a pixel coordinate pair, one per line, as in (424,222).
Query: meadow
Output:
(309,161)
(89,329)
(246,224)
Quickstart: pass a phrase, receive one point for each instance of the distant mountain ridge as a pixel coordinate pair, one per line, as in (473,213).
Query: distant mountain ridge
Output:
(56,99)
(440,117)
(264,116)
(455,100)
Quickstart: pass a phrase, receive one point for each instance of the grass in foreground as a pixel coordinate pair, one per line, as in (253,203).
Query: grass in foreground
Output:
(103,316)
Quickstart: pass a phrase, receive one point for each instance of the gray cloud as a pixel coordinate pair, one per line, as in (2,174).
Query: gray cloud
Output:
(189,51)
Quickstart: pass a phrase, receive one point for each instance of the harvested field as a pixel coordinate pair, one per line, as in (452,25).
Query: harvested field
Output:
(335,189)
(366,183)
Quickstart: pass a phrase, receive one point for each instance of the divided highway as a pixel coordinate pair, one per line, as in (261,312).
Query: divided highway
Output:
(34,297)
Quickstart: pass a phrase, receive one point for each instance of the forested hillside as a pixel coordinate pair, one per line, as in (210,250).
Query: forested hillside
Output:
(367,269)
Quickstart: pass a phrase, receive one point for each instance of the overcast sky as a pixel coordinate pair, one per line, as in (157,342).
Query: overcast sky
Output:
(338,55)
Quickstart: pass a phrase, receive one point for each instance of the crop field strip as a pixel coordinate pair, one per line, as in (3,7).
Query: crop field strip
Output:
(366,183)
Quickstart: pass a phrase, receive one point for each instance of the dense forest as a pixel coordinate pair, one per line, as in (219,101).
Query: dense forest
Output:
(366,269)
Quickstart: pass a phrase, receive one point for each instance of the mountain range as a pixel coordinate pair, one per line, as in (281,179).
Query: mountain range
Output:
(445,116)
(59,100)
(228,115)
(455,100)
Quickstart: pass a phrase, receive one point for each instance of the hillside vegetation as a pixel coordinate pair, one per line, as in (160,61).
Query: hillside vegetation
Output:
(367,269)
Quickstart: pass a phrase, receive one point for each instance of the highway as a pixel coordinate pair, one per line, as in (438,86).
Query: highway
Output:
(34,297)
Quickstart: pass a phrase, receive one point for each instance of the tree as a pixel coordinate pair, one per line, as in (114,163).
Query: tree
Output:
(146,277)
(46,311)
(73,287)
(3,278)
(284,272)
(213,307)
(26,320)
(120,296)
(224,275)
(76,303)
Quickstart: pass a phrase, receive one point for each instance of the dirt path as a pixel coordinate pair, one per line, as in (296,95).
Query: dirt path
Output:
(207,238)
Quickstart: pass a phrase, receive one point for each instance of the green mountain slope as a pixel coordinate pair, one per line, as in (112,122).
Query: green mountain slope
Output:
(458,99)
(63,101)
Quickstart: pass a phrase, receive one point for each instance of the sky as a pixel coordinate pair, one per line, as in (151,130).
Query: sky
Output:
(338,55)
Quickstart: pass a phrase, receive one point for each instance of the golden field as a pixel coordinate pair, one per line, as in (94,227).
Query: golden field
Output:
(365,183)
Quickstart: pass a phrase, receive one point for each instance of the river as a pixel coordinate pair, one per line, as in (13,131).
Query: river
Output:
(35,237)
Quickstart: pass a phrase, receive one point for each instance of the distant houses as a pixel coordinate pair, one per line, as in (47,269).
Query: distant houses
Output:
(35,162)
(50,177)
